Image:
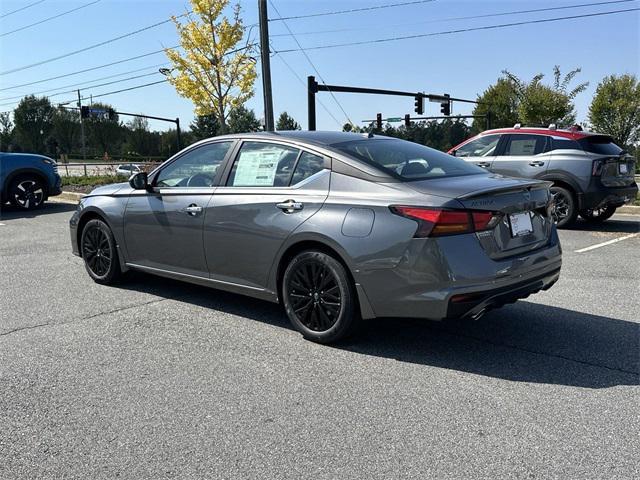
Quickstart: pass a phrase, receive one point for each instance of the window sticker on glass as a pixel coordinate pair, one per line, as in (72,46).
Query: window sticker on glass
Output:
(257,168)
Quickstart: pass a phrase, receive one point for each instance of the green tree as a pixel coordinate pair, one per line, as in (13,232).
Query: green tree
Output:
(205,126)
(615,109)
(33,118)
(242,120)
(286,122)
(105,134)
(501,100)
(540,104)
(213,69)
(66,127)
(6,132)
(139,137)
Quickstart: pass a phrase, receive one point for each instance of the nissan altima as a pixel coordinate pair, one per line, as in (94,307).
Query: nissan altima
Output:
(337,227)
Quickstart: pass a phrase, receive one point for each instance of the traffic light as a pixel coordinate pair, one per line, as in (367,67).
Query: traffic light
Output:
(407,120)
(419,104)
(379,121)
(445,107)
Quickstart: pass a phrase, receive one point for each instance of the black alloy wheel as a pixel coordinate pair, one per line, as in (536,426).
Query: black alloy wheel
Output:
(99,253)
(597,215)
(564,210)
(27,193)
(319,297)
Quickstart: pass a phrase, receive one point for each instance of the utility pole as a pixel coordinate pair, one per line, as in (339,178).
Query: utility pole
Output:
(84,149)
(178,135)
(266,66)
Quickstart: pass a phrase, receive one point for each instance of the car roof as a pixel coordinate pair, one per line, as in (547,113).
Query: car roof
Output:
(321,138)
(571,134)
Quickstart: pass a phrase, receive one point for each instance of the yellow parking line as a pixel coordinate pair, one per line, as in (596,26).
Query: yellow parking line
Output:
(603,244)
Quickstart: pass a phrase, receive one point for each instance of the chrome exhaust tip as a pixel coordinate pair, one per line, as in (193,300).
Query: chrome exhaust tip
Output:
(478,315)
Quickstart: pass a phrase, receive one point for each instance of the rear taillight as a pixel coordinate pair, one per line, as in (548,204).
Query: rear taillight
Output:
(596,168)
(434,222)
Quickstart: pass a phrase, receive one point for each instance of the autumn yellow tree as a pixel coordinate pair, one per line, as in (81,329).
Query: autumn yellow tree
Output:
(215,70)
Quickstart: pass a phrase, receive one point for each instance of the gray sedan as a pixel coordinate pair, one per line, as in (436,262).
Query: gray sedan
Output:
(338,227)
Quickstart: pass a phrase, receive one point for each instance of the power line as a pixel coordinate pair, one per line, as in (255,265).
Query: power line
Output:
(310,62)
(90,47)
(20,9)
(50,18)
(71,91)
(115,91)
(470,17)
(352,10)
(462,30)
(88,69)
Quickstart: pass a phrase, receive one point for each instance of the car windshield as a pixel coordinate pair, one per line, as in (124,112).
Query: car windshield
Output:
(601,144)
(407,160)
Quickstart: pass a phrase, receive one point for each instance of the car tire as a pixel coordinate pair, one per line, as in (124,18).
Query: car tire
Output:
(565,211)
(597,215)
(27,192)
(99,252)
(319,297)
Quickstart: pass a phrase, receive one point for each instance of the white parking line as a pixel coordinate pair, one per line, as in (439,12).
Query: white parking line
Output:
(1,224)
(603,244)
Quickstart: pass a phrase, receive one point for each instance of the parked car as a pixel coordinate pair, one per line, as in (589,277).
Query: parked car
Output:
(336,226)
(128,169)
(27,180)
(591,175)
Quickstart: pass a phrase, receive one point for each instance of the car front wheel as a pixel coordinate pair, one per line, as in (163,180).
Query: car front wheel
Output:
(564,210)
(597,215)
(27,193)
(319,297)
(98,247)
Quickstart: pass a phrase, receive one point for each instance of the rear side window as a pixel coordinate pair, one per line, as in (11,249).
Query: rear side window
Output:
(261,164)
(308,164)
(406,160)
(559,143)
(601,144)
(522,145)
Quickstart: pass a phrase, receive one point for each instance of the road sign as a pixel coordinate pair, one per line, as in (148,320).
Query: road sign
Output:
(394,119)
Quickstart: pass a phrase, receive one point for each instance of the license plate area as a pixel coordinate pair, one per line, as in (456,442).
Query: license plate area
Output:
(520,224)
(623,168)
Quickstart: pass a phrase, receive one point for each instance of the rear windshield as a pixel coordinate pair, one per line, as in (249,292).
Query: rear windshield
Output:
(407,160)
(600,144)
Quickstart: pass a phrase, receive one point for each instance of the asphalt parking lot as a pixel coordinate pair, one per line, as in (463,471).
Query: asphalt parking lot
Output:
(159,379)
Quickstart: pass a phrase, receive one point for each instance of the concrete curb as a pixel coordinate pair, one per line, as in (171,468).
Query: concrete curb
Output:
(67,197)
(629,210)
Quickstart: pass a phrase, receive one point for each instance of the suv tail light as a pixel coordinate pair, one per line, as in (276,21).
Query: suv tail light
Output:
(596,168)
(434,222)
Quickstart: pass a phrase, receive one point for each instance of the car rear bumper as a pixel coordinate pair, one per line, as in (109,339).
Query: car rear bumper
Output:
(454,277)
(598,197)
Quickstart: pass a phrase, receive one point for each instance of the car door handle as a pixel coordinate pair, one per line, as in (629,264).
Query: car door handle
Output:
(483,164)
(290,206)
(192,210)
(536,163)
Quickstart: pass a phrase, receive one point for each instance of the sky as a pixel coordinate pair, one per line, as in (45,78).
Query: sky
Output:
(460,64)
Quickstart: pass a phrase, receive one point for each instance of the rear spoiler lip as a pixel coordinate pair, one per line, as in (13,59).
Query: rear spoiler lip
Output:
(535,185)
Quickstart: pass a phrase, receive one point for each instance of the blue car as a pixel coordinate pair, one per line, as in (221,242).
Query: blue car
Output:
(27,180)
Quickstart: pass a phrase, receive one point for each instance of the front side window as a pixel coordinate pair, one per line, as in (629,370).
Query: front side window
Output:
(407,160)
(261,164)
(484,146)
(522,145)
(196,168)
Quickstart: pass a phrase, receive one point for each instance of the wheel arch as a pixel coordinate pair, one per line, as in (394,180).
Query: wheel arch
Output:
(25,172)
(326,246)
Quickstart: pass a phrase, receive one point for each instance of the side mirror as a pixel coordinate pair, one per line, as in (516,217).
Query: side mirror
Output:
(139,181)
(453,152)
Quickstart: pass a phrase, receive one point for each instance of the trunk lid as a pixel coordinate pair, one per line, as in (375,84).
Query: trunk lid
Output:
(617,171)
(520,204)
